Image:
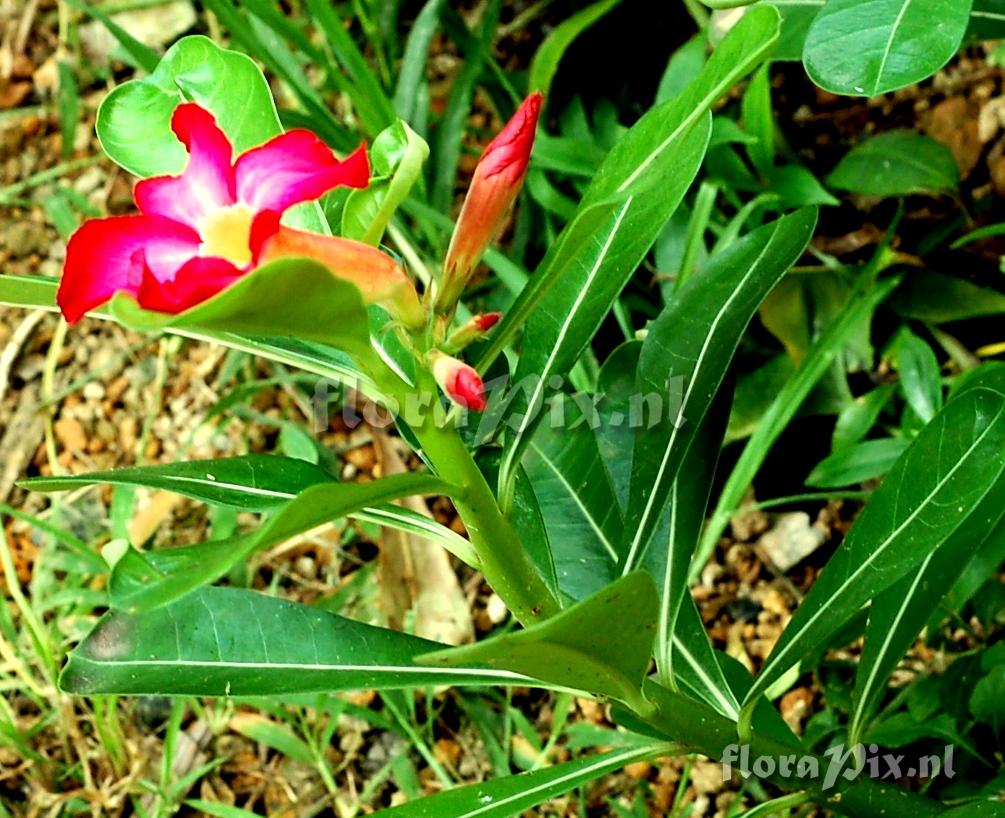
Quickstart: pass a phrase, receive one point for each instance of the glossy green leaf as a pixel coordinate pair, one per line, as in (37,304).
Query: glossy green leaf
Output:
(938,485)
(412,74)
(797,17)
(977,809)
(920,378)
(549,53)
(856,420)
(38,292)
(897,615)
(144,580)
(939,299)
(230,642)
(601,645)
(577,501)
(685,64)
(293,297)
(783,408)
(254,482)
(896,163)
(695,666)
(796,186)
(647,173)
(513,795)
(397,156)
(857,463)
(686,354)
(134,120)
(758,120)
(870,47)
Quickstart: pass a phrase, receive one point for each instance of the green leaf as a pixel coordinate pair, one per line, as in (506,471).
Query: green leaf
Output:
(601,645)
(796,389)
(290,297)
(920,378)
(859,416)
(896,163)
(412,75)
(144,580)
(797,17)
(230,642)
(397,155)
(686,354)
(758,120)
(134,120)
(254,482)
(940,483)
(513,795)
(870,47)
(695,665)
(798,187)
(939,299)
(977,809)
(897,615)
(857,463)
(39,292)
(577,501)
(647,173)
(549,53)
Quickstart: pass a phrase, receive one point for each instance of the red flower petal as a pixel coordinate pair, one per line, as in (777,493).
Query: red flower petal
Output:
(295,167)
(198,279)
(206,185)
(106,256)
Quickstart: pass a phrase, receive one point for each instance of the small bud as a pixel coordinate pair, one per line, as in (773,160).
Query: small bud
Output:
(460,382)
(494,187)
(472,330)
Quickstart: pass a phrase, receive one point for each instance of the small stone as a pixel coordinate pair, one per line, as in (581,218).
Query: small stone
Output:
(496,609)
(94,391)
(70,433)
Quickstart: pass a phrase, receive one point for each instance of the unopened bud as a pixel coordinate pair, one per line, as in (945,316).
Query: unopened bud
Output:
(460,382)
(494,187)
(472,330)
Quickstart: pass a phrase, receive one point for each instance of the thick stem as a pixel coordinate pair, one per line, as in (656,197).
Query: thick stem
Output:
(696,725)
(504,560)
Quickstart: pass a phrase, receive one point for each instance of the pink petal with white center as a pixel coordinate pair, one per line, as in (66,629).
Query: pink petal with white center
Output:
(295,167)
(106,256)
(207,183)
(198,279)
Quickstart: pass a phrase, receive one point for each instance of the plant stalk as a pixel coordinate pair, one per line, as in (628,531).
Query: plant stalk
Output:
(503,559)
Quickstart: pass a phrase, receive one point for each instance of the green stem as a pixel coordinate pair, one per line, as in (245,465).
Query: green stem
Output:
(503,559)
(702,729)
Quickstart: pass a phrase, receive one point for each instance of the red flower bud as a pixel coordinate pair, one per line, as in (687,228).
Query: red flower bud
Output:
(461,383)
(496,182)
(471,330)
(486,321)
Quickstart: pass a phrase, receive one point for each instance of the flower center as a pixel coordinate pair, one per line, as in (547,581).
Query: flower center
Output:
(227,234)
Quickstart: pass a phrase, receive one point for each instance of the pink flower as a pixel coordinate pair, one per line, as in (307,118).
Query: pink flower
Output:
(460,382)
(494,187)
(201,231)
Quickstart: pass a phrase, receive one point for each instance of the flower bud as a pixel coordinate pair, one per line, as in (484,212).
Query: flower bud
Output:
(460,382)
(472,330)
(494,187)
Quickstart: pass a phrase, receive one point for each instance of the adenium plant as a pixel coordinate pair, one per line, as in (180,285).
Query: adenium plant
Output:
(594,565)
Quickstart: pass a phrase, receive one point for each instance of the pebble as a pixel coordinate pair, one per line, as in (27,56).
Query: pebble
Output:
(70,433)
(94,391)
